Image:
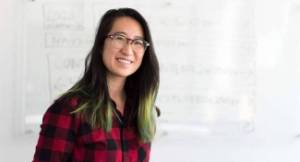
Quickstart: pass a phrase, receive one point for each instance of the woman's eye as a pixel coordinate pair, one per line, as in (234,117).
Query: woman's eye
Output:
(138,42)
(118,37)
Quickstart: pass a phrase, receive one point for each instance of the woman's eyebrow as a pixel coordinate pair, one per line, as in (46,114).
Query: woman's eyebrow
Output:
(138,37)
(125,34)
(121,33)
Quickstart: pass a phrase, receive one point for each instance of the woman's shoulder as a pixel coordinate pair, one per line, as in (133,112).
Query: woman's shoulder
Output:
(64,105)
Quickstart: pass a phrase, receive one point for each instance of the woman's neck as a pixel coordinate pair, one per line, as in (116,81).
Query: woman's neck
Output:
(116,91)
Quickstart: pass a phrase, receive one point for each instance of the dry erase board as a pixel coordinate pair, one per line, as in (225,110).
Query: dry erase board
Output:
(206,51)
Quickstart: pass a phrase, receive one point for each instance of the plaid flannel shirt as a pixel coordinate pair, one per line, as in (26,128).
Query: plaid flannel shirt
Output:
(65,137)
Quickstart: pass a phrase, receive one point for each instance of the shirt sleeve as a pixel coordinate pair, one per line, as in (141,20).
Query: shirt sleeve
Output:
(57,135)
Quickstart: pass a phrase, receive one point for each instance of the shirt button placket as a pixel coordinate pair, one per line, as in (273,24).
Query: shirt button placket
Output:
(126,158)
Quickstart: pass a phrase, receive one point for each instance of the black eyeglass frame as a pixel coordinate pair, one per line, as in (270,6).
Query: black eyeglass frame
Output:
(145,43)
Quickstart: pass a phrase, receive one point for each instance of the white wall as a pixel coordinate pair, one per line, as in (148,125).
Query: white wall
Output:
(276,137)
(12,148)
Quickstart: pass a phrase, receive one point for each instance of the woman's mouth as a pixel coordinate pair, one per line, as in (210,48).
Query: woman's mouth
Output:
(124,61)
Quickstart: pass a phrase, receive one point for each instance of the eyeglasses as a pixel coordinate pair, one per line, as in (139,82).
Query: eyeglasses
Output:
(120,41)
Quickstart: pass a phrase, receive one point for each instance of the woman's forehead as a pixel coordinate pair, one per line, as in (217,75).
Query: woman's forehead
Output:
(127,26)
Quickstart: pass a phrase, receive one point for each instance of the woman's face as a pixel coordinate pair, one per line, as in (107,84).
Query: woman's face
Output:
(122,61)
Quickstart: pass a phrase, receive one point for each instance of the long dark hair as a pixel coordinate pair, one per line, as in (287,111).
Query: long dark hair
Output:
(141,87)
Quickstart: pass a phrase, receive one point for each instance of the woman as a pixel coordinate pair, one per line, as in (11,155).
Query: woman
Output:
(108,115)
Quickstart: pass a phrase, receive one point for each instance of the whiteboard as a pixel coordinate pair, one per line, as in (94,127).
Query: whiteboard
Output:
(206,51)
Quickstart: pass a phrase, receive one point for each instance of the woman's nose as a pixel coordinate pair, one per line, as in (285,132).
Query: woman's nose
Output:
(127,49)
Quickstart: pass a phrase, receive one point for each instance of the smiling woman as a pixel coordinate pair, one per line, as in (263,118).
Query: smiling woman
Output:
(120,57)
(108,115)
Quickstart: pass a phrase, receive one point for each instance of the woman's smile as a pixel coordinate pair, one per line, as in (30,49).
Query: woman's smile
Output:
(124,61)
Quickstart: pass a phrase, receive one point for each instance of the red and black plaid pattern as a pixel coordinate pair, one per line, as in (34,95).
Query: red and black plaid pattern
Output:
(65,137)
